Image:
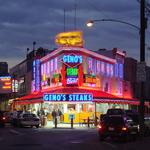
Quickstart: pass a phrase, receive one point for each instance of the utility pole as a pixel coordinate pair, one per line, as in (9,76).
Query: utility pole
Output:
(142,61)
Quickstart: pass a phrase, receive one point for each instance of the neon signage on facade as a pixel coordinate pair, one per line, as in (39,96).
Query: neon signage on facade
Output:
(72,71)
(36,75)
(90,79)
(5,84)
(72,80)
(72,75)
(72,59)
(67,97)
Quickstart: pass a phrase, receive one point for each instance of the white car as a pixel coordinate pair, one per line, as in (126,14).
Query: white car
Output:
(28,119)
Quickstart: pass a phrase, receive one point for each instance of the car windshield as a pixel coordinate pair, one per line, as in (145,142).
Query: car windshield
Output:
(134,117)
(115,111)
(114,120)
(29,115)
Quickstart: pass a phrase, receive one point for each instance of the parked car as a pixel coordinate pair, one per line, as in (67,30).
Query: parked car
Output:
(136,119)
(147,124)
(28,119)
(116,111)
(117,126)
(8,116)
(2,119)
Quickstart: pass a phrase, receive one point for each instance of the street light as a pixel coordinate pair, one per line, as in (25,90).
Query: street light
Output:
(90,23)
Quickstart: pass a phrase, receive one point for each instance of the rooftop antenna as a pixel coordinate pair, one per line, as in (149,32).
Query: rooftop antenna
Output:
(64,20)
(75,14)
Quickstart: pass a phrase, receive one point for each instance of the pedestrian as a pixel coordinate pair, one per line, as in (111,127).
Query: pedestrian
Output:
(54,115)
(59,113)
(14,117)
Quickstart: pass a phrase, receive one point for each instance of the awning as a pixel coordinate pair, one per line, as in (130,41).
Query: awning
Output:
(25,102)
(120,101)
(98,96)
(69,90)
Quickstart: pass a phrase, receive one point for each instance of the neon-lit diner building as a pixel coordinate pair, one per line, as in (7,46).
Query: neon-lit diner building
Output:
(78,81)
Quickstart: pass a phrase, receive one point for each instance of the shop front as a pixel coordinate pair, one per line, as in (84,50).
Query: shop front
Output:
(77,103)
(76,81)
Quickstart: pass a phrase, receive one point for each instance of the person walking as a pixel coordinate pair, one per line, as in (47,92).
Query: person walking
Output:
(54,115)
(14,117)
(59,113)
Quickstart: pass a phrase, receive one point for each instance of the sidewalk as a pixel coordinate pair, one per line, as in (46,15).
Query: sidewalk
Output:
(66,125)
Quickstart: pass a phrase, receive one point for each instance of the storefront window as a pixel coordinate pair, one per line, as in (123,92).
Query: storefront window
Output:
(71,107)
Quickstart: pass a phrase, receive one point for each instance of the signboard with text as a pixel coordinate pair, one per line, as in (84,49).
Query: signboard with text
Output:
(5,84)
(78,97)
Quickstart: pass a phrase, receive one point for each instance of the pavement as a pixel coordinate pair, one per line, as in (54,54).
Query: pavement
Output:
(50,124)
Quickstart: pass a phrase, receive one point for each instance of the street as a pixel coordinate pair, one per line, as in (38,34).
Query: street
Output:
(62,139)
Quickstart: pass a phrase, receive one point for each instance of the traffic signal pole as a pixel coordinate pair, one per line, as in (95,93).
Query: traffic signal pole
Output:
(142,60)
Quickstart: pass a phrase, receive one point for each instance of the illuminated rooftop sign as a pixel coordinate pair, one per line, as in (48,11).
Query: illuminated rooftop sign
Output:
(73,38)
(67,97)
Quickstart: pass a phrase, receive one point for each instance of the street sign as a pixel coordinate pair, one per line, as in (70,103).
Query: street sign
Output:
(141,72)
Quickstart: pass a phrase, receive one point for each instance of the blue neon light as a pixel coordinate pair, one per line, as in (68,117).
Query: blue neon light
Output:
(36,75)
(67,97)
(72,59)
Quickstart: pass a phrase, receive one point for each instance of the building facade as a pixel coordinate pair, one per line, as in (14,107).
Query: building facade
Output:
(77,81)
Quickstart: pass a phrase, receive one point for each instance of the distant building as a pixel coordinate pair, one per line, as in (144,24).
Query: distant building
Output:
(3,68)
(22,73)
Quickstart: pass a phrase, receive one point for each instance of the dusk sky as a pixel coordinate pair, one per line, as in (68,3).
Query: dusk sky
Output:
(25,21)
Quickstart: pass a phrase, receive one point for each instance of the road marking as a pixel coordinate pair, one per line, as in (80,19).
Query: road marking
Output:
(15,132)
(111,145)
(75,142)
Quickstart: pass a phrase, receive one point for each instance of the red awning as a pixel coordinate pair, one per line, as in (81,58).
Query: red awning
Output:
(25,102)
(98,96)
(70,90)
(120,101)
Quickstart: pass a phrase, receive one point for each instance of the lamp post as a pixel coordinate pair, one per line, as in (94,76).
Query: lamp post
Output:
(90,23)
(142,55)
(142,60)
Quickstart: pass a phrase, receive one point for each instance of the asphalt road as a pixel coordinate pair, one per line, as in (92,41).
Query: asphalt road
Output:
(62,139)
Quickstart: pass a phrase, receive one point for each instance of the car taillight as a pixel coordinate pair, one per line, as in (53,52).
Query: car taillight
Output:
(99,126)
(124,128)
(4,118)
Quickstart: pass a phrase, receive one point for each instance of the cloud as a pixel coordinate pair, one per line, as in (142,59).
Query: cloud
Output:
(25,21)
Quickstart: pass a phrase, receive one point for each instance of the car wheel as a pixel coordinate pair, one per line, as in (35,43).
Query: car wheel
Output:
(126,138)
(37,126)
(2,125)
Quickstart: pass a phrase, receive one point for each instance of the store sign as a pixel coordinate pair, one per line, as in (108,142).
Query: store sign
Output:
(36,75)
(5,84)
(72,76)
(72,80)
(72,60)
(72,71)
(67,97)
(90,79)
(73,38)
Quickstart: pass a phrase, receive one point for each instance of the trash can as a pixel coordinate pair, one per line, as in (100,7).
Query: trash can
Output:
(44,121)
